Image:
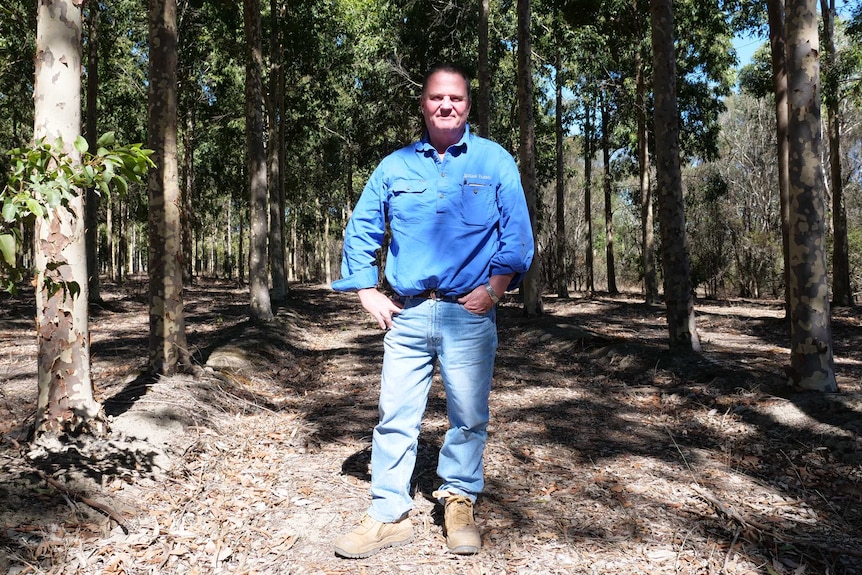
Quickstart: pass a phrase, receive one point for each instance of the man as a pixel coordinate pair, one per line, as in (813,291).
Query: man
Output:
(460,237)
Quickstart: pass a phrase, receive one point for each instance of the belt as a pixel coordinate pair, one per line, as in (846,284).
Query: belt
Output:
(435,295)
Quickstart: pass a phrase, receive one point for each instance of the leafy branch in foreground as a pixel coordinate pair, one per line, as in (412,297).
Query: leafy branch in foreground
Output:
(44,177)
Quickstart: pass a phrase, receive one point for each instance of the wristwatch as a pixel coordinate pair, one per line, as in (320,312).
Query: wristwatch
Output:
(494,297)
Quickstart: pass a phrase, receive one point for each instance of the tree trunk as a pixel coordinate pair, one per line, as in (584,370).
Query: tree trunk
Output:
(187,193)
(588,196)
(293,264)
(276,178)
(483,108)
(327,252)
(561,271)
(677,268)
(609,213)
(842,294)
(811,357)
(261,307)
(229,233)
(647,222)
(240,253)
(109,234)
(168,348)
(92,203)
(66,403)
(778,47)
(122,240)
(531,287)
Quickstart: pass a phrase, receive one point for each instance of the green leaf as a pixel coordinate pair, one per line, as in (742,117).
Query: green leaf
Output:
(90,174)
(10,211)
(74,288)
(81,145)
(122,185)
(7,248)
(106,139)
(35,207)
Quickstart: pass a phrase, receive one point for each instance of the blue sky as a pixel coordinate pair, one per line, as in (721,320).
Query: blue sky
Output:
(746,45)
(745,48)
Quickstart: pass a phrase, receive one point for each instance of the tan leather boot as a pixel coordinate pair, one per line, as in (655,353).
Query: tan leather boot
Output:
(462,535)
(370,536)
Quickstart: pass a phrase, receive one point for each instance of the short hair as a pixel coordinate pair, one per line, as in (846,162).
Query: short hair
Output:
(451,68)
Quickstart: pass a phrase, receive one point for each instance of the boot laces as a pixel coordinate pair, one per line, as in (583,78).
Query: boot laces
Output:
(461,508)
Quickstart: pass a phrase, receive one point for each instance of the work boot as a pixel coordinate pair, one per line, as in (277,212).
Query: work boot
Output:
(462,535)
(370,536)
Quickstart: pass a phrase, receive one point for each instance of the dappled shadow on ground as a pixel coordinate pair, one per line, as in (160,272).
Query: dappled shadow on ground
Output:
(605,450)
(730,406)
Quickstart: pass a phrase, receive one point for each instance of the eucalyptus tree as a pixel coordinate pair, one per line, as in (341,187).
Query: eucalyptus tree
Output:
(66,402)
(531,289)
(811,356)
(607,185)
(641,74)
(261,306)
(677,269)
(561,74)
(778,47)
(168,349)
(275,151)
(91,205)
(842,293)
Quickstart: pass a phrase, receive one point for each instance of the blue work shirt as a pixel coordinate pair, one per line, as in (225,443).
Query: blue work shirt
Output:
(454,222)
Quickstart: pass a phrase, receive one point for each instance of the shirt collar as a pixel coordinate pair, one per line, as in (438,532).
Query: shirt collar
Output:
(424,145)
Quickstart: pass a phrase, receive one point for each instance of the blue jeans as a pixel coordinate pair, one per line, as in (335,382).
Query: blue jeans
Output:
(464,345)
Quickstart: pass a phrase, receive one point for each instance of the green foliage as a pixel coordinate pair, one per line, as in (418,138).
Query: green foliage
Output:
(45,177)
(756,78)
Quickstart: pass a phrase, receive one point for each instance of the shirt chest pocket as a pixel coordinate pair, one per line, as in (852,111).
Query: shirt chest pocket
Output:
(478,202)
(410,200)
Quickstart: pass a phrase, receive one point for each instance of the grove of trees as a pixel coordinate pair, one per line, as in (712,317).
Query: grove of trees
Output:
(266,119)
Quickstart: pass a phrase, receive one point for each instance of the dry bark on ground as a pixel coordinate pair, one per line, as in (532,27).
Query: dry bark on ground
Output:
(606,453)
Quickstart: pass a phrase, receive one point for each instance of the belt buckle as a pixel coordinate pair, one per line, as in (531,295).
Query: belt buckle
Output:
(433,294)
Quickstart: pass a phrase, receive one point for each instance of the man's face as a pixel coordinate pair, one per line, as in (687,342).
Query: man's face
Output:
(445,105)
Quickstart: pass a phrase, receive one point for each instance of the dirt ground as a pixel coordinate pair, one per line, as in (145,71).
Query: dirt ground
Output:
(605,455)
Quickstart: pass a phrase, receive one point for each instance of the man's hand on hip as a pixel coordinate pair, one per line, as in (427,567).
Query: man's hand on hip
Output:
(379,306)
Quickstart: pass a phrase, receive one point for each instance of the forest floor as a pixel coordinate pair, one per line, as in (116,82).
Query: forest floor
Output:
(606,454)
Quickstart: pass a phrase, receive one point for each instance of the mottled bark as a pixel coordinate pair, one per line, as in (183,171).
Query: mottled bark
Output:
(261,306)
(811,357)
(778,48)
(483,102)
(92,201)
(65,402)
(276,178)
(168,350)
(531,287)
(679,298)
